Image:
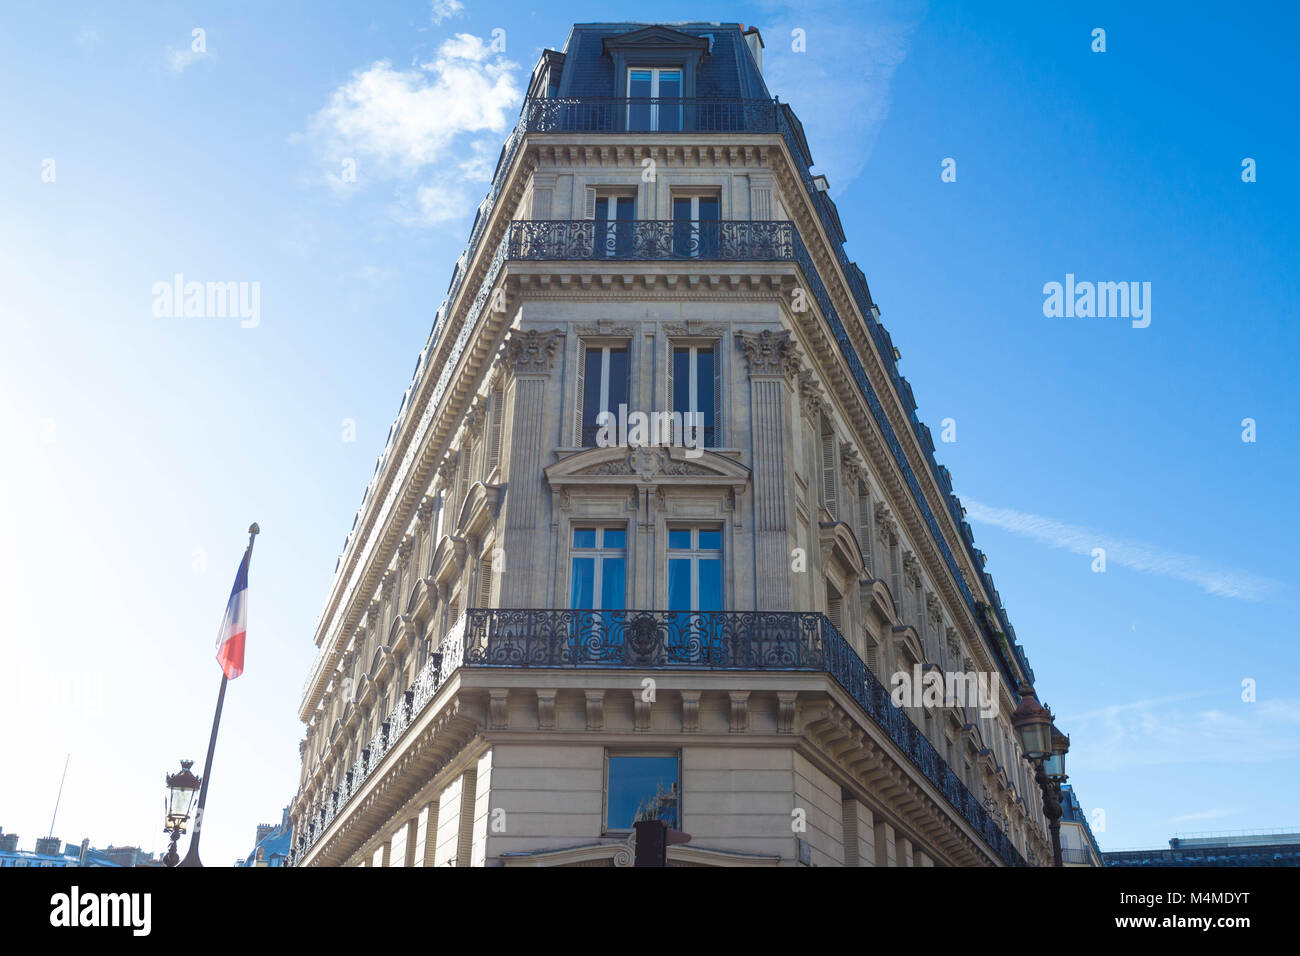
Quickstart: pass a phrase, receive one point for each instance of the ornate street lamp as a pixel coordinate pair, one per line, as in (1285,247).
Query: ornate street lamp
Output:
(1033,723)
(181,788)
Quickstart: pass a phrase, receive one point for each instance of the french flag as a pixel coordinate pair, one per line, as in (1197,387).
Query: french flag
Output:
(230,639)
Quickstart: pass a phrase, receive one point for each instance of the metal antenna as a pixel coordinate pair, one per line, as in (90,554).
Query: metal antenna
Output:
(60,796)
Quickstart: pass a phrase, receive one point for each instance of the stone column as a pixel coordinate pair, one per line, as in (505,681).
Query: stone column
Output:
(773,363)
(528,357)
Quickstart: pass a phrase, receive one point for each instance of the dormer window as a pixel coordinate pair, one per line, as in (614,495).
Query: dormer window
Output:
(654,99)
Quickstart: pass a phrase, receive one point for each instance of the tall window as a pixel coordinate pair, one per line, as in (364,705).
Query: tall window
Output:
(695,226)
(614,230)
(602,387)
(694,388)
(598,579)
(695,569)
(654,99)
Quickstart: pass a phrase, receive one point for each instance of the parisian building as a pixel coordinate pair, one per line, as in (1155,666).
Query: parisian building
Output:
(1079,846)
(1244,848)
(657,523)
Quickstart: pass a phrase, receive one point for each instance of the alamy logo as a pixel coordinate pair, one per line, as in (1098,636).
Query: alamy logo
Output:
(651,429)
(1103,300)
(72,909)
(978,691)
(208,300)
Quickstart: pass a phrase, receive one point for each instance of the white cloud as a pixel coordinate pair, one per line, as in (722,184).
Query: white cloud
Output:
(1159,731)
(1134,555)
(435,128)
(443,9)
(840,85)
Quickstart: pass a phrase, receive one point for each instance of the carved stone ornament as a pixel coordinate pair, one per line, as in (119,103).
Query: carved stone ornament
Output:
(531,352)
(769,353)
(912,569)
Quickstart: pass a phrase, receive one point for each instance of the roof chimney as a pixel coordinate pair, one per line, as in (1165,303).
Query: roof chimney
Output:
(755,43)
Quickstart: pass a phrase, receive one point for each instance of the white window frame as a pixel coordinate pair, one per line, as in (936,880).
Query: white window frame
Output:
(655,72)
(599,553)
(695,554)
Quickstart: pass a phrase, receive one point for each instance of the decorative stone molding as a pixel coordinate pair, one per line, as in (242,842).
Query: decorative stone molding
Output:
(606,328)
(476,416)
(424,514)
(785,703)
(911,569)
(499,708)
(690,711)
(768,353)
(739,711)
(933,608)
(531,352)
(595,710)
(954,643)
(641,711)
(546,709)
(692,328)
(851,466)
(886,527)
(447,470)
(814,400)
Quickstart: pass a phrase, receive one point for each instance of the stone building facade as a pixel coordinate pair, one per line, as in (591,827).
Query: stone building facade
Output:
(543,627)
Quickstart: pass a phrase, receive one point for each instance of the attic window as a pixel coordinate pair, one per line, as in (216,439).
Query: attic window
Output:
(654,99)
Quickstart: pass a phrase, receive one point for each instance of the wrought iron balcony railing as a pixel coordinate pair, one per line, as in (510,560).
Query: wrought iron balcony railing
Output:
(712,640)
(560,239)
(610,114)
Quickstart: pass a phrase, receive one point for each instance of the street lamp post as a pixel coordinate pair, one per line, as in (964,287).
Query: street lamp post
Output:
(1040,739)
(181,788)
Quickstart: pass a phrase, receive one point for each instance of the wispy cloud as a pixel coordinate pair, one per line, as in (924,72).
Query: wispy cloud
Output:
(433,129)
(444,9)
(1134,555)
(1160,731)
(835,65)
(1215,814)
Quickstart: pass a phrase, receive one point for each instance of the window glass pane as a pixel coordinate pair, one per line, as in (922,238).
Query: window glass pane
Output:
(626,208)
(708,207)
(681,380)
(679,584)
(704,397)
(710,584)
(679,538)
(669,104)
(711,540)
(615,538)
(612,576)
(583,586)
(682,209)
(642,788)
(602,209)
(617,378)
(638,83)
(591,398)
(584,537)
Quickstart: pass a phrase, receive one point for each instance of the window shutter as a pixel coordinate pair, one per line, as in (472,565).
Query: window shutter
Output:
(835,607)
(717,396)
(484,582)
(577,416)
(590,210)
(864,528)
(873,657)
(495,420)
(670,429)
(828,474)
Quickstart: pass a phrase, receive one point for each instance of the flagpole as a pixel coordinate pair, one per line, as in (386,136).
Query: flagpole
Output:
(192,856)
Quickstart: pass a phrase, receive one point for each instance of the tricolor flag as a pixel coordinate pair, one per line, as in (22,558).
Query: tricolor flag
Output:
(230,639)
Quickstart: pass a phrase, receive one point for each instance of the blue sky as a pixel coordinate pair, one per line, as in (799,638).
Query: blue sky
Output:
(138,448)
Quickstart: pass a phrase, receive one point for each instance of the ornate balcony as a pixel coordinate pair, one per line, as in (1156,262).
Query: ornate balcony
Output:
(610,114)
(651,239)
(700,641)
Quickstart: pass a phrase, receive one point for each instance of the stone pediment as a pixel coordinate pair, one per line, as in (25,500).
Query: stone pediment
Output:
(653,37)
(646,465)
(838,539)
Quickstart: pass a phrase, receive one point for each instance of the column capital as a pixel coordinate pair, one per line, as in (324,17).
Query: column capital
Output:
(530,351)
(769,353)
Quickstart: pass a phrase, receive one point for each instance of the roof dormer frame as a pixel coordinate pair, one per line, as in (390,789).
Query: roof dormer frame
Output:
(655,46)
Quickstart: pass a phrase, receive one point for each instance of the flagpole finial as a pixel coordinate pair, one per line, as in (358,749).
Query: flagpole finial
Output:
(253,528)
